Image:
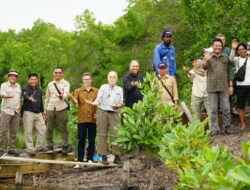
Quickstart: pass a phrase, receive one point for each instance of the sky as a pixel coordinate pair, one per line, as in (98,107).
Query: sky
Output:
(19,14)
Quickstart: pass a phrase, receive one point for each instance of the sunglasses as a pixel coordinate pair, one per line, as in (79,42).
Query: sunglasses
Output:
(58,72)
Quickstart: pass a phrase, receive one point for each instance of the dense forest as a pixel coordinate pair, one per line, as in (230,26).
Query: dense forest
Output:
(98,48)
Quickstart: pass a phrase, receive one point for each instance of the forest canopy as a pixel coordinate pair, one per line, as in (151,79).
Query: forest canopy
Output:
(98,48)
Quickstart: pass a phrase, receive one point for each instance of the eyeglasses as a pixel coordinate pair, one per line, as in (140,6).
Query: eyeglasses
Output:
(58,72)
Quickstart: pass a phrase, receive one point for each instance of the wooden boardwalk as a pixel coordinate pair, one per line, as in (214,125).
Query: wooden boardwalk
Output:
(40,163)
(60,162)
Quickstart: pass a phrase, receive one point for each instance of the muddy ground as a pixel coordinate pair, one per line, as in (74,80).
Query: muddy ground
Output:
(84,178)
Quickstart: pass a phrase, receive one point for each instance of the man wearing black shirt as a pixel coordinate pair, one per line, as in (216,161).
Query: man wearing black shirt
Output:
(132,93)
(33,115)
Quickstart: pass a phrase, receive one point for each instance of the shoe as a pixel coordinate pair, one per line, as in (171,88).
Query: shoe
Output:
(227,130)
(13,153)
(234,112)
(90,161)
(43,149)
(66,149)
(31,152)
(117,160)
(50,148)
(105,160)
(76,166)
(214,133)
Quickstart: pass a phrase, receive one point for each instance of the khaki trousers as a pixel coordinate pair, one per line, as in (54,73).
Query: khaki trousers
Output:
(107,121)
(196,105)
(9,123)
(62,117)
(30,120)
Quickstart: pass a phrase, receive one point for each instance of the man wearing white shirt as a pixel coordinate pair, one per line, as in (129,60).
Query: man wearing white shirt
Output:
(10,112)
(109,100)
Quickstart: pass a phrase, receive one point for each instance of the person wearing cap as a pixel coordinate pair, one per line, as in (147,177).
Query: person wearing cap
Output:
(199,96)
(132,92)
(56,107)
(86,117)
(10,112)
(165,53)
(219,86)
(33,115)
(167,85)
(109,100)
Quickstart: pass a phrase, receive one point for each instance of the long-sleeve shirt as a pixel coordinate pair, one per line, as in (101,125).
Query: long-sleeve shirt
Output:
(199,78)
(109,95)
(161,56)
(170,83)
(36,93)
(132,94)
(52,101)
(11,105)
(219,73)
(239,62)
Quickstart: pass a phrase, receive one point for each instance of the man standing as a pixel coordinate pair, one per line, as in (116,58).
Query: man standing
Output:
(225,50)
(132,93)
(167,85)
(33,115)
(86,117)
(56,106)
(10,112)
(109,100)
(220,76)
(165,53)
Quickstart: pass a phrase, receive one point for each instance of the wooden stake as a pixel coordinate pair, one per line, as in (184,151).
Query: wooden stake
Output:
(18,180)
(125,175)
(186,111)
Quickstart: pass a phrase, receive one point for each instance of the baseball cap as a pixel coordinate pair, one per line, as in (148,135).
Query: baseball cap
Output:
(195,58)
(166,33)
(162,65)
(12,72)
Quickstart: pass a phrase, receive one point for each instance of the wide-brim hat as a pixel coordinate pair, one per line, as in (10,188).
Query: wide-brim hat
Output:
(13,72)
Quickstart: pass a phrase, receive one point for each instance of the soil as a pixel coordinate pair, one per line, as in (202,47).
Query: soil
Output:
(165,178)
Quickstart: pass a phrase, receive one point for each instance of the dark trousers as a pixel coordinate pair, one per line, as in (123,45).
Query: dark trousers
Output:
(83,130)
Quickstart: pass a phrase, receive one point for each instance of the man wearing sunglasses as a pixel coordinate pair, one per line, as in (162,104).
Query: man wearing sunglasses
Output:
(56,107)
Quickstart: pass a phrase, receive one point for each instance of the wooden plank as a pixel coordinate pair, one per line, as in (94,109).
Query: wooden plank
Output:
(9,171)
(60,162)
(10,165)
(50,156)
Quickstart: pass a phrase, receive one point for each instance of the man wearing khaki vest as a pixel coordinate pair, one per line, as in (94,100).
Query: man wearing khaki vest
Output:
(56,107)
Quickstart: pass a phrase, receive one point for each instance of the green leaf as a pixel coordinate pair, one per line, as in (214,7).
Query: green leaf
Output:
(241,173)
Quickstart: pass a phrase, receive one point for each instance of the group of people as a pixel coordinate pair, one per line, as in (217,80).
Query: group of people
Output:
(212,78)
(33,112)
(214,83)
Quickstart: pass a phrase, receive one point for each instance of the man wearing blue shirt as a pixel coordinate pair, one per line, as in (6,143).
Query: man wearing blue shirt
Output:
(165,53)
